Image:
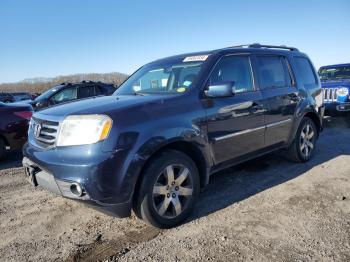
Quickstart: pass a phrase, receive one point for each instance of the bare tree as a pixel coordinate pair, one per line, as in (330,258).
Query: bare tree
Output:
(39,85)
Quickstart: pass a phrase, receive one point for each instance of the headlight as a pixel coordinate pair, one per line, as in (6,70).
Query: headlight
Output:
(83,130)
(343,91)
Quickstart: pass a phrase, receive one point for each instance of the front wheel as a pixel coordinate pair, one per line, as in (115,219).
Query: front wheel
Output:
(168,191)
(304,143)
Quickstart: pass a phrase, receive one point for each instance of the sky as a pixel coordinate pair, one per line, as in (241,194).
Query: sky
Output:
(47,38)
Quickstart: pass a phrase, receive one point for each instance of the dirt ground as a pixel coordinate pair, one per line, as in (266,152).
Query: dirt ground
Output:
(266,209)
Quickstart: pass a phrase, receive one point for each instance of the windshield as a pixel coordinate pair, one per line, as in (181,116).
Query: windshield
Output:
(48,93)
(170,78)
(335,73)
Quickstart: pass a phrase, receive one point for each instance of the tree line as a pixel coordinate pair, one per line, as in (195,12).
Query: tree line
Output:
(40,85)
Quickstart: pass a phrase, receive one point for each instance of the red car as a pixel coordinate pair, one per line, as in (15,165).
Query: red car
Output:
(13,126)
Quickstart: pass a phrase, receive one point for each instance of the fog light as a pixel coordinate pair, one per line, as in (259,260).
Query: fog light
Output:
(76,189)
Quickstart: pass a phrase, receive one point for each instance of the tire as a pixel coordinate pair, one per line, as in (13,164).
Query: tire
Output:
(2,148)
(304,144)
(170,186)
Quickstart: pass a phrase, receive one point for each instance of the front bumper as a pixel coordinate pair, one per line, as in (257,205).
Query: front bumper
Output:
(338,107)
(343,107)
(16,134)
(98,174)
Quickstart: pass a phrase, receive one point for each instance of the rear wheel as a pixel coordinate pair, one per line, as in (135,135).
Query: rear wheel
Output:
(168,191)
(2,148)
(303,146)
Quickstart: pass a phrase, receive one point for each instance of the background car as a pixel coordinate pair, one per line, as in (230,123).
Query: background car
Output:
(335,81)
(22,96)
(6,98)
(13,126)
(67,92)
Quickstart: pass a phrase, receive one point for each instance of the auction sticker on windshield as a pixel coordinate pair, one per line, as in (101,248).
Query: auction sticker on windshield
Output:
(196,58)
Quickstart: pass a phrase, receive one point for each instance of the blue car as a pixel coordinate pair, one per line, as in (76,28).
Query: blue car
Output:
(153,144)
(335,80)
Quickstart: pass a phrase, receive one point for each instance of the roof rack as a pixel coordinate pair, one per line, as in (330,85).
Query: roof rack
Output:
(257,45)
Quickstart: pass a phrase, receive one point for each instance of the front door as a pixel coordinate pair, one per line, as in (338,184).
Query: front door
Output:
(235,124)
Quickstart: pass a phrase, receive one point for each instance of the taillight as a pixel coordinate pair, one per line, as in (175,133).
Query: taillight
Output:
(24,114)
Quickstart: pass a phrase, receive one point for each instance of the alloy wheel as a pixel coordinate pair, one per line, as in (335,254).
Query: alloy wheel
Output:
(307,140)
(172,191)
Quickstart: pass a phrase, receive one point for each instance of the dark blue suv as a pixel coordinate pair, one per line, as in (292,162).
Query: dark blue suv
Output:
(335,81)
(69,92)
(153,145)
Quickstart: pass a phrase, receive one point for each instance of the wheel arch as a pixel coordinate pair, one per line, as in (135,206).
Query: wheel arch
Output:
(315,118)
(302,112)
(185,147)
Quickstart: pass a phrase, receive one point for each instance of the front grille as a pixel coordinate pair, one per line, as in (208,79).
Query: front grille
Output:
(44,132)
(330,94)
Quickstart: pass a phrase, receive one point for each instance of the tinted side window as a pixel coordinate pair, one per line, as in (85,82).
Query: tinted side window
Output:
(234,69)
(86,91)
(273,72)
(99,91)
(305,71)
(65,95)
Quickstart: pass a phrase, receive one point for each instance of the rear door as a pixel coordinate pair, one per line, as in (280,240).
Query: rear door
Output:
(280,95)
(235,124)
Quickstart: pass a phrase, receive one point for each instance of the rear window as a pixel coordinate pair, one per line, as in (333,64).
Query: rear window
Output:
(305,71)
(273,72)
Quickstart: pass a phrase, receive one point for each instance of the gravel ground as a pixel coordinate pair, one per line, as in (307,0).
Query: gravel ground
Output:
(266,209)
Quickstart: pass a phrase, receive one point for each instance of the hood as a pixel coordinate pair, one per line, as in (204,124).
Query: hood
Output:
(27,101)
(19,106)
(101,105)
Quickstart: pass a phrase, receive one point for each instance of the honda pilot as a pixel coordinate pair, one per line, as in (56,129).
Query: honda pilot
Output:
(153,145)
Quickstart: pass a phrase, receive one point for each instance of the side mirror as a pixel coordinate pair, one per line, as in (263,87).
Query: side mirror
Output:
(225,89)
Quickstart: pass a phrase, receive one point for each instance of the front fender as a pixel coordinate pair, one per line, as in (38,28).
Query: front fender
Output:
(165,137)
(158,141)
